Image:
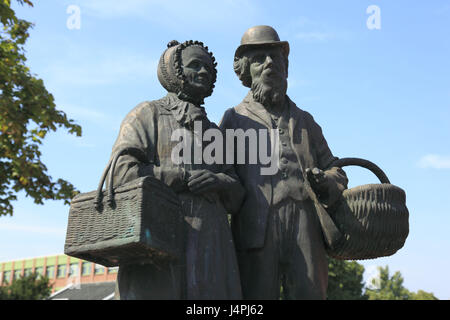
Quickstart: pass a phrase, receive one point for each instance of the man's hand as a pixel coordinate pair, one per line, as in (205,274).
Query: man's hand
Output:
(327,188)
(318,181)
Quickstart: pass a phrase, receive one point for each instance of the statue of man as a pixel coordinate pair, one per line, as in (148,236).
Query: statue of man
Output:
(277,231)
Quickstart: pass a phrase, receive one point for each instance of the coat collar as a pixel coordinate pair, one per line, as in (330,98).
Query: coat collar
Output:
(257,110)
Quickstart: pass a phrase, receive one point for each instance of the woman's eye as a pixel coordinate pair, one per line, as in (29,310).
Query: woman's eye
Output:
(207,68)
(194,65)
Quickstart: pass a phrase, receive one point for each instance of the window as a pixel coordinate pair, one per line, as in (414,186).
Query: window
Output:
(73,271)
(27,272)
(17,274)
(50,272)
(99,269)
(61,273)
(86,268)
(6,277)
(39,271)
(113,269)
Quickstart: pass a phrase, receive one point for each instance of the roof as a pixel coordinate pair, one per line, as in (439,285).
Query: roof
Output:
(32,258)
(86,291)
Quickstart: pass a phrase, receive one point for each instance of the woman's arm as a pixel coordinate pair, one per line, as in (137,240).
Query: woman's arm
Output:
(225,184)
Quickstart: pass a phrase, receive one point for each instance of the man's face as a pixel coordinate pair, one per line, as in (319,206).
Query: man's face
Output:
(198,69)
(267,65)
(269,75)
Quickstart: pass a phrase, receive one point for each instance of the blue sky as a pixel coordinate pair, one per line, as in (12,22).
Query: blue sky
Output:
(381,94)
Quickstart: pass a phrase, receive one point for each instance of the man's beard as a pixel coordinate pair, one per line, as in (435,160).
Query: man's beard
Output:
(270,96)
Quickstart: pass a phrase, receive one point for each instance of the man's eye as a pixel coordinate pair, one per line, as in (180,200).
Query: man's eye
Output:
(259,58)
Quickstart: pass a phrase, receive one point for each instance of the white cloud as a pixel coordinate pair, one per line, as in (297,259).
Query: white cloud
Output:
(434,161)
(112,9)
(174,12)
(84,113)
(309,30)
(315,36)
(81,142)
(293,83)
(102,69)
(82,116)
(32,229)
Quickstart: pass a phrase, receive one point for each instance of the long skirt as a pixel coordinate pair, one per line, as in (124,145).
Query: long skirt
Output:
(210,269)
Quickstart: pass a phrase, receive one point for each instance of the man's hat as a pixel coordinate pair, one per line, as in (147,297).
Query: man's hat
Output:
(261,36)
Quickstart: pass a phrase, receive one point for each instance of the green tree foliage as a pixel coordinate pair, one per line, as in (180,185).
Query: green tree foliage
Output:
(31,287)
(27,114)
(422,295)
(386,287)
(345,280)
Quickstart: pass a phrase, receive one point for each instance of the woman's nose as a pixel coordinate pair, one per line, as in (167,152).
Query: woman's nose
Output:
(203,70)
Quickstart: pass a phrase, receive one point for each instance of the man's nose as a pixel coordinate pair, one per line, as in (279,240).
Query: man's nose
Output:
(268,62)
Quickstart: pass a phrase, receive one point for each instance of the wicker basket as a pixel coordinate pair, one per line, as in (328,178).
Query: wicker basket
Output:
(373,218)
(138,222)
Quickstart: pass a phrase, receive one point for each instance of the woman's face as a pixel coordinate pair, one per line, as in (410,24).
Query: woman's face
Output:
(198,69)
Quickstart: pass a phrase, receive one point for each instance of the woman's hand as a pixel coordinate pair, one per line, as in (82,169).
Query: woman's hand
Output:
(203,181)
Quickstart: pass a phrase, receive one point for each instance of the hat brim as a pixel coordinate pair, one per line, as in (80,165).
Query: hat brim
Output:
(244,47)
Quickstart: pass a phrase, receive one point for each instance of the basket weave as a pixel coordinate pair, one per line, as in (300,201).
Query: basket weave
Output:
(372,218)
(140,221)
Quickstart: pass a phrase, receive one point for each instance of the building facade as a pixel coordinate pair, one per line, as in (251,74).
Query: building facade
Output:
(61,269)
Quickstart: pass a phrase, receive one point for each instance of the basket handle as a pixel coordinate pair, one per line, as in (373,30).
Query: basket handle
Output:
(343,162)
(111,167)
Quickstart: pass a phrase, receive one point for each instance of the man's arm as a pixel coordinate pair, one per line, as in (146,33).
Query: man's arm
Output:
(328,182)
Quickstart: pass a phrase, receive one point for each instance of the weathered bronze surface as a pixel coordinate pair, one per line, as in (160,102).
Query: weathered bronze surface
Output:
(277,230)
(283,224)
(207,193)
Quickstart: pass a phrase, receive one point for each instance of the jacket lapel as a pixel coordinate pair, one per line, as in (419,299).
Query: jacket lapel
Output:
(296,124)
(298,134)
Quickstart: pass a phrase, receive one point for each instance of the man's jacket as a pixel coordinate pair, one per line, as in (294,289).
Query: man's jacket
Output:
(310,147)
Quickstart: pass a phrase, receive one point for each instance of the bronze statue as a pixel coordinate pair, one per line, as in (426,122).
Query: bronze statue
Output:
(277,231)
(207,191)
(174,177)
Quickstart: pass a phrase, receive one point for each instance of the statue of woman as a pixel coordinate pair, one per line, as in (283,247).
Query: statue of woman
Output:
(208,192)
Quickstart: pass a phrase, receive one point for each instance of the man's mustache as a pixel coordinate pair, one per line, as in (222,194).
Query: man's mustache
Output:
(272,72)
